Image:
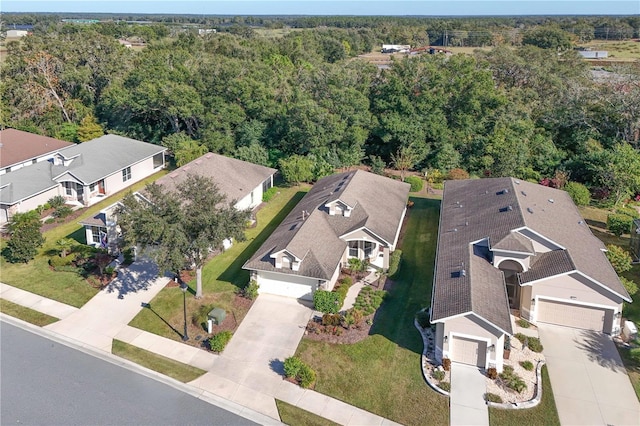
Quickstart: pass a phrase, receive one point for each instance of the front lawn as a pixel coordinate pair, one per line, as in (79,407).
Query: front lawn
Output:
(292,415)
(382,373)
(66,287)
(545,414)
(221,277)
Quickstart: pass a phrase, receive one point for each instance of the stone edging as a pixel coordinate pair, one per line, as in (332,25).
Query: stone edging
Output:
(537,396)
(507,406)
(424,359)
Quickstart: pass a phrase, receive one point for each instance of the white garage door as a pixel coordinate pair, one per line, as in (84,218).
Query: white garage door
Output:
(572,315)
(283,288)
(469,351)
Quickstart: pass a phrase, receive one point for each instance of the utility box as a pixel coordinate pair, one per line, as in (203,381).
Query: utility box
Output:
(217,315)
(629,331)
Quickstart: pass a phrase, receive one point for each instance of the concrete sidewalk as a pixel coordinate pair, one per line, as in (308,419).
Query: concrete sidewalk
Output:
(249,371)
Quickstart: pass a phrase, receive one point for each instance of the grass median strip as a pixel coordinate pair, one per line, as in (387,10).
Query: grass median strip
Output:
(292,415)
(177,370)
(26,314)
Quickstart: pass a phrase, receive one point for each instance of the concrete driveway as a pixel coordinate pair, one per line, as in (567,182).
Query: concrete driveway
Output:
(467,405)
(589,381)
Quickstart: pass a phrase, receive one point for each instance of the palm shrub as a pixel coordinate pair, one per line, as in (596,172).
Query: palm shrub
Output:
(56,202)
(251,290)
(512,380)
(527,365)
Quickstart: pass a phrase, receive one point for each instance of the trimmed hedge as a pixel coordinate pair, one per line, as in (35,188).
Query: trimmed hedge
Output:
(327,302)
(619,224)
(629,211)
(579,193)
(218,342)
(394,262)
(269,194)
(415,182)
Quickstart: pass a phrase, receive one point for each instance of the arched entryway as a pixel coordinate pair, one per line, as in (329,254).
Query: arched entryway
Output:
(511,268)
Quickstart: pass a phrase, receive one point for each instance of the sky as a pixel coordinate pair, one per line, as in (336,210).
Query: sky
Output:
(316,7)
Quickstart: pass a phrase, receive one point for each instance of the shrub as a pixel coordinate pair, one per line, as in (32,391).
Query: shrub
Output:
(50,220)
(269,194)
(423,318)
(527,365)
(445,386)
(629,211)
(579,193)
(369,300)
(58,261)
(62,212)
(199,316)
(46,206)
(251,290)
(415,182)
(457,174)
(523,323)
(619,224)
(331,319)
(512,380)
(109,270)
(446,364)
(394,262)
(630,286)
(306,376)
(619,258)
(56,202)
(327,302)
(218,342)
(127,254)
(535,345)
(292,366)
(492,397)
(438,375)
(492,373)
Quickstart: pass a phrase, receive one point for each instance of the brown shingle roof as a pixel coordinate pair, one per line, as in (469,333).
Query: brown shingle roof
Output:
(548,264)
(489,210)
(309,232)
(514,241)
(17,146)
(234,178)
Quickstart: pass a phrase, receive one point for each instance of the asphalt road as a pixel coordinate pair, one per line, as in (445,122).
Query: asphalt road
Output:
(45,383)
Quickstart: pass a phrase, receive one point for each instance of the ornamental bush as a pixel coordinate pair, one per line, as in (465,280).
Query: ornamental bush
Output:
(306,376)
(512,380)
(292,365)
(579,193)
(327,302)
(269,194)
(56,202)
(251,290)
(492,397)
(527,365)
(629,211)
(619,258)
(619,224)
(394,262)
(218,342)
(438,375)
(415,182)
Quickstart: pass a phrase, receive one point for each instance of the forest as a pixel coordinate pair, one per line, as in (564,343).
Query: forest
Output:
(528,107)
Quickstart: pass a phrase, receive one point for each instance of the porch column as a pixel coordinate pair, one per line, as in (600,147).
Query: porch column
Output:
(385,258)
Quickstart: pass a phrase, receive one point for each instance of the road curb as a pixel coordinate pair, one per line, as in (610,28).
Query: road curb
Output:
(131,366)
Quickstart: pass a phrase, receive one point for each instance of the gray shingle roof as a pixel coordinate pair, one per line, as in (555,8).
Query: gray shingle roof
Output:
(106,155)
(26,182)
(310,233)
(235,178)
(548,264)
(475,210)
(515,241)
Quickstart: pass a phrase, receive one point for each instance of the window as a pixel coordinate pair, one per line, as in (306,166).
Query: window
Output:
(368,248)
(126,174)
(158,160)
(266,184)
(353,249)
(92,187)
(98,235)
(68,188)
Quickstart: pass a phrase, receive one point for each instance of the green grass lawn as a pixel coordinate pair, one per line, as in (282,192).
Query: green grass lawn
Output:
(294,416)
(26,314)
(65,287)
(382,373)
(221,277)
(545,414)
(179,371)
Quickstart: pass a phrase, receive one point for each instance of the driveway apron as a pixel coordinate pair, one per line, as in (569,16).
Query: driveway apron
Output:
(589,381)
(467,405)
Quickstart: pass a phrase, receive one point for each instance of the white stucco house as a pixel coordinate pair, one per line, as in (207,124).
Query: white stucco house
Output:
(239,181)
(510,248)
(82,173)
(355,214)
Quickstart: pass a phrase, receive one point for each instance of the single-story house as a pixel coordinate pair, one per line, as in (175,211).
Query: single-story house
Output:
(507,247)
(19,149)
(354,214)
(83,174)
(17,33)
(238,180)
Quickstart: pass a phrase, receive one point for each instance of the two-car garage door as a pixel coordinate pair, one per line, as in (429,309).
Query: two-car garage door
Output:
(283,287)
(573,315)
(469,351)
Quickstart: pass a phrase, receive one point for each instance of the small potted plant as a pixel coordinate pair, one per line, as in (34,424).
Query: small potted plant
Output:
(507,347)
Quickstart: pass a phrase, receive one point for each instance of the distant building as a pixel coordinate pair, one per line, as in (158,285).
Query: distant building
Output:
(205,31)
(125,43)
(593,54)
(16,33)
(396,48)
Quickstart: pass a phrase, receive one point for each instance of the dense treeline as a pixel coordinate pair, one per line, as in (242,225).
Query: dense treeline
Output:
(302,98)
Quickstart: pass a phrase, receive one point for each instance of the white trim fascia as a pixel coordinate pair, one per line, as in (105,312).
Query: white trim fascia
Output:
(55,178)
(575,271)
(603,286)
(490,323)
(345,236)
(284,273)
(561,247)
(530,283)
(442,320)
(512,251)
(296,258)
(339,200)
(402,218)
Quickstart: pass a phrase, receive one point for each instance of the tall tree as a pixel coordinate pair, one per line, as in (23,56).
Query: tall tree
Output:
(183,226)
(89,129)
(24,229)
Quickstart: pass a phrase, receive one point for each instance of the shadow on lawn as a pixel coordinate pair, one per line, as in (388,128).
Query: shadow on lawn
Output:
(148,306)
(234,273)
(411,286)
(600,349)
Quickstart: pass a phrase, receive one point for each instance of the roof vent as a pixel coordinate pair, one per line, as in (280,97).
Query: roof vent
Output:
(551,200)
(502,191)
(506,209)
(523,193)
(530,210)
(455,229)
(581,222)
(463,273)
(510,208)
(517,182)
